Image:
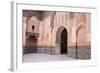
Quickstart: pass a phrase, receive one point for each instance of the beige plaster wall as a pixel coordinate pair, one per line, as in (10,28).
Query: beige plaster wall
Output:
(77,25)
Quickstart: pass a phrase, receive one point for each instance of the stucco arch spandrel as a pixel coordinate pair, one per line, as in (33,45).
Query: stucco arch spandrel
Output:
(81,25)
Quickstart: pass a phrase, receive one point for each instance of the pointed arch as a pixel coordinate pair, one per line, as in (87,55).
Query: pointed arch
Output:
(80,27)
(61,39)
(81,35)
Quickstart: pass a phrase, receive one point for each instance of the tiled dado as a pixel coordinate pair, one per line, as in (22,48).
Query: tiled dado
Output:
(83,52)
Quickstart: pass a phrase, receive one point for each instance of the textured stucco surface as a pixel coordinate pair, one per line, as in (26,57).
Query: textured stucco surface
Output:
(48,27)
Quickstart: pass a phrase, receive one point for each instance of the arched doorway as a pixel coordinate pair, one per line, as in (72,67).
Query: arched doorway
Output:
(63,41)
(31,45)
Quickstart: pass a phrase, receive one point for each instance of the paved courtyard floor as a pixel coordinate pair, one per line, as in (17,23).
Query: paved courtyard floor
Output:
(37,57)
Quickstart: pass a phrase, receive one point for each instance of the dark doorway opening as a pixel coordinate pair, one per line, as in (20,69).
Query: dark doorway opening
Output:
(64,42)
(31,45)
(33,27)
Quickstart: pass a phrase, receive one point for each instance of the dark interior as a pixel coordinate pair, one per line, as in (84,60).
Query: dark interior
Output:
(64,42)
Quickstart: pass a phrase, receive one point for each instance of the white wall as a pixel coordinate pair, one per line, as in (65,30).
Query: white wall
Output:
(5,33)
